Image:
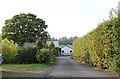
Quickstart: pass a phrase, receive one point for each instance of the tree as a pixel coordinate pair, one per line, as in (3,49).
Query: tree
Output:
(53,49)
(113,13)
(24,28)
(51,45)
(67,41)
(54,39)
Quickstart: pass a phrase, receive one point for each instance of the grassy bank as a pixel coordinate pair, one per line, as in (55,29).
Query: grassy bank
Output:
(26,70)
(26,67)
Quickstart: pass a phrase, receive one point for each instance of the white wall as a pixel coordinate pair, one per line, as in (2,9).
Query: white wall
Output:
(66,50)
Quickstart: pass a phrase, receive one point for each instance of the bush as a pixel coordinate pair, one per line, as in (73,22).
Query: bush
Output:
(53,49)
(45,56)
(100,47)
(27,55)
(9,51)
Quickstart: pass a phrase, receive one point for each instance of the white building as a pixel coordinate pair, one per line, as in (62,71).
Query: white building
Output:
(62,49)
(66,50)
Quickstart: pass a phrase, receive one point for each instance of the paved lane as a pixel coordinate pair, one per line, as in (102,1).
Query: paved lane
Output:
(67,67)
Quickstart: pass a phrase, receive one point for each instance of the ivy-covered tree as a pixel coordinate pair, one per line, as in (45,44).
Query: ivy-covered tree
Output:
(24,28)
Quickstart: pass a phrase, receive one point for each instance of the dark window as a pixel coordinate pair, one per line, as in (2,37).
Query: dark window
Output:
(70,51)
(63,51)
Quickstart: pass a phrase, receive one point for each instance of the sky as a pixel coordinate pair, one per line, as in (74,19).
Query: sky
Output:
(65,18)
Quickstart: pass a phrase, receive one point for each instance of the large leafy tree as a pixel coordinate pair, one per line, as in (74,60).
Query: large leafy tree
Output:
(24,28)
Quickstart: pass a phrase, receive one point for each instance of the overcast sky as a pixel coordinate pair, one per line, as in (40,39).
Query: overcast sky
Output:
(63,17)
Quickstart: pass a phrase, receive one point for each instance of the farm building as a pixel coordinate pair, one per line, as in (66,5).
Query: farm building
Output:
(66,50)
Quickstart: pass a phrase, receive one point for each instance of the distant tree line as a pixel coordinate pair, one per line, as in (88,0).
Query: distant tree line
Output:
(65,40)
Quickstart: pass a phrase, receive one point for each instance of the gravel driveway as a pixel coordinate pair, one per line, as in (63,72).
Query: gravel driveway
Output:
(67,67)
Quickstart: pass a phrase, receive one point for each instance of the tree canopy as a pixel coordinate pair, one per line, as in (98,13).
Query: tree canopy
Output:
(67,41)
(24,28)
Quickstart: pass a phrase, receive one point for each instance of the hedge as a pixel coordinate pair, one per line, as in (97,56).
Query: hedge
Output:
(100,47)
(27,55)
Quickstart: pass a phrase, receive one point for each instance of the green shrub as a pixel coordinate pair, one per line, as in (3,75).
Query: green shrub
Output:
(45,56)
(27,55)
(9,51)
(53,49)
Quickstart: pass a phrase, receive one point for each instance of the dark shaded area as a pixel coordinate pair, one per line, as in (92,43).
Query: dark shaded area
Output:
(60,78)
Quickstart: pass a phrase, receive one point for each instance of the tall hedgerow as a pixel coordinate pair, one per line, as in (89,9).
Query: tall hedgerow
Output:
(100,47)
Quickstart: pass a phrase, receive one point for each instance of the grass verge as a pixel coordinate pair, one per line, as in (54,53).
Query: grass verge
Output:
(26,70)
(26,67)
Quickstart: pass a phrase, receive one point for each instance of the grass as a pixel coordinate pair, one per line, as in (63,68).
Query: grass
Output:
(26,67)
(25,70)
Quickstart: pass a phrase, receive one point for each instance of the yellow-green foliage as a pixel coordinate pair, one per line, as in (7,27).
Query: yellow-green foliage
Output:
(9,51)
(100,47)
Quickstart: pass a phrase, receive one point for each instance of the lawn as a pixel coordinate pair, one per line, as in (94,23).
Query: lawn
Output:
(25,70)
(24,67)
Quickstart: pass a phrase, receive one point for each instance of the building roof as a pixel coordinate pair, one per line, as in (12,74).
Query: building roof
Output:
(70,46)
(56,43)
(61,46)
(29,44)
